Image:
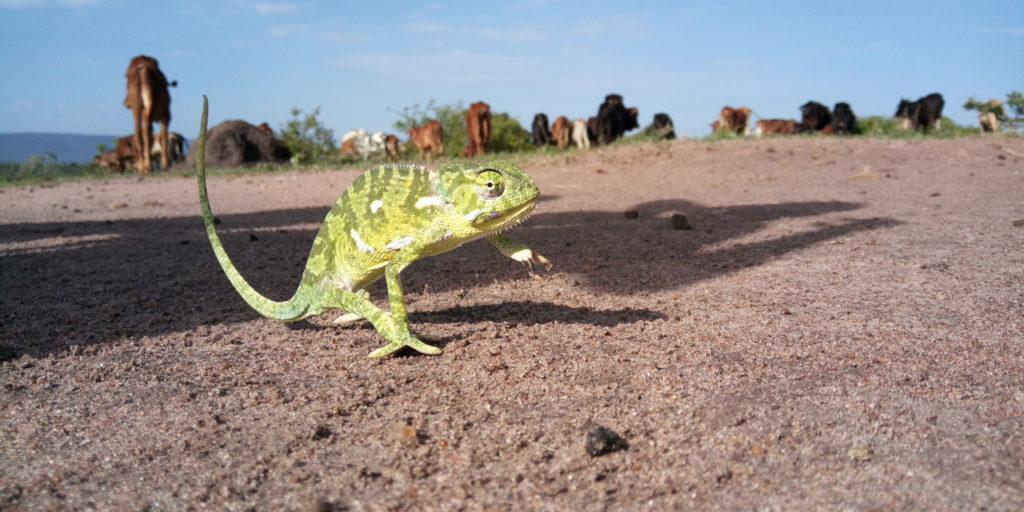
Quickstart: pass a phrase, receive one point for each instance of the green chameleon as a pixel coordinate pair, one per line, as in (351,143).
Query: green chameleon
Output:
(387,218)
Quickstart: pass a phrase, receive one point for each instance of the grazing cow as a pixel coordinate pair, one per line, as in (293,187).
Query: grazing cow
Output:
(843,120)
(427,138)
(776,127)
(734,120)
(352,141)
(662,126)
(560,132)
(362,144)
(989,122)
(579,134)
(814,117)
(391,147)
(478,128)
(614,119)
(150,102)
(925,113)
(540,135)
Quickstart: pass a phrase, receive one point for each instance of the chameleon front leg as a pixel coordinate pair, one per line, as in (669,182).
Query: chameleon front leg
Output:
(518,252)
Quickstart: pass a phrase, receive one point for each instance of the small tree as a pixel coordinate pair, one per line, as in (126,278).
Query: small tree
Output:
(307,138)
(508,135)
(994,106)
(1016,102)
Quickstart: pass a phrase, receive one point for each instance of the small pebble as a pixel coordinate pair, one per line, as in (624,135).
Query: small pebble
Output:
(602,440)
(680,222)
(632,214)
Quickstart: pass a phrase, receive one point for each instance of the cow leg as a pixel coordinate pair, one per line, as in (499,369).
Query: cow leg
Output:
(165,155)
(137,140)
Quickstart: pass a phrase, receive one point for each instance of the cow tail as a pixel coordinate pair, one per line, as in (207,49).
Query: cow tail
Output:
(296,308)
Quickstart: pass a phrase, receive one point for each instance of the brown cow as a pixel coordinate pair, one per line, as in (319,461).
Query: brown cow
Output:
(150,102)
(734,120)
(391,147)
(427,137)
(478,128)
(776,127)
(119,158)
(560,132)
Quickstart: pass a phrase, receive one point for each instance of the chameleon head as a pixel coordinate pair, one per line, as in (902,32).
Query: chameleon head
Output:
(492,196)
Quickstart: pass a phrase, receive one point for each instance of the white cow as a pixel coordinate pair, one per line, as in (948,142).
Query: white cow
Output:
(579,134)
(360,143)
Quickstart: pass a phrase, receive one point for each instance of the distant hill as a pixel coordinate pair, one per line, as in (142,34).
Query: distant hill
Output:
(69,147)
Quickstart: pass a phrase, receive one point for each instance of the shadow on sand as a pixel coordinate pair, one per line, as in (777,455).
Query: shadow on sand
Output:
(83,283)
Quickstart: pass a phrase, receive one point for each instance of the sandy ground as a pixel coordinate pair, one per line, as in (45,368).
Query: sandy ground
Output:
(841,329)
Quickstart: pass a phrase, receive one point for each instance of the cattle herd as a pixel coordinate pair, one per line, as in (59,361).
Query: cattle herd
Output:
(149,100)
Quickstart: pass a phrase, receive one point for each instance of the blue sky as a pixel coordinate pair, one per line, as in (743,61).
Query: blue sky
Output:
(63,61)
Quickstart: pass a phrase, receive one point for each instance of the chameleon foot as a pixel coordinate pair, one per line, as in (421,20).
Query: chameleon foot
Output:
(412,343)
(347,318)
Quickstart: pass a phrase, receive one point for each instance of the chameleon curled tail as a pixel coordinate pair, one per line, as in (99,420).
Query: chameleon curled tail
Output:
(292,309)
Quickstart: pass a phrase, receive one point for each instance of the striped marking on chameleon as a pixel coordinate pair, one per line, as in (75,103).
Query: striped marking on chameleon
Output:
(359,242)
(424,202)
(398,243)
(376,205)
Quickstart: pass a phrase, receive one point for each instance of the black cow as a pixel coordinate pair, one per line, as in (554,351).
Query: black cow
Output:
(613,119)
(815,117)
(662,126)
(592,129)
(541,135)
(925,113)
(843,119)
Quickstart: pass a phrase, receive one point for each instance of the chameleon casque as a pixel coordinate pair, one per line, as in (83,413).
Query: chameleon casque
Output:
(387,218)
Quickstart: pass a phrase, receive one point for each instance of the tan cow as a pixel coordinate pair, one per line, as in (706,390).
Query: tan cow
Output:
(734,120)
(478,129)
(150,102)
(776,127)
(579,134)
(427,138)
(560,131)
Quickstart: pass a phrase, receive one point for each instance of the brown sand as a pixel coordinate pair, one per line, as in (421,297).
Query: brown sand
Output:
(841,329)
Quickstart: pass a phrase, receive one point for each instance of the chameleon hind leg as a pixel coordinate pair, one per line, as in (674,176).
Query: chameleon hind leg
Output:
(392,327)
(350,318)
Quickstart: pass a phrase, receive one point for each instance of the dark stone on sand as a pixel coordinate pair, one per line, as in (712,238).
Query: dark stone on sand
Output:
(632,214)
(680,222)
(602,440)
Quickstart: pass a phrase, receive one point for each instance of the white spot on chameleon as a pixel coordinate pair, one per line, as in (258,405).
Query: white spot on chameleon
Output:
(429,201)
(359,242)
(473,214)
(522,255)
(374,206)
(398,243)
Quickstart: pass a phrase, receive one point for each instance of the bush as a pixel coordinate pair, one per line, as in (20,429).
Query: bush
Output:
(507,135)
(308,139)
(42,168)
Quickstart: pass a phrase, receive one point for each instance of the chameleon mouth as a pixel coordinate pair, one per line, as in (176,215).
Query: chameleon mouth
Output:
(513,218)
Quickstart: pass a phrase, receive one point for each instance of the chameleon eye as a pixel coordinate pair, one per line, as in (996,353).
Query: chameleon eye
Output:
(490,185)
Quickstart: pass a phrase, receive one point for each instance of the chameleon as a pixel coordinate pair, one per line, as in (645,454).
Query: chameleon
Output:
(390,216)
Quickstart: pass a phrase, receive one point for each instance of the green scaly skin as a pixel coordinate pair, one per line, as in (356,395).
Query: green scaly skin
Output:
(387,218)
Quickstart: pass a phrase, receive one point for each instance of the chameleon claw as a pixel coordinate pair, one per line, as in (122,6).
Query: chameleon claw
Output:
(412,343)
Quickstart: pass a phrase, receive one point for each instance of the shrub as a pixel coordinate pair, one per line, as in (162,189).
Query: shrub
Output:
(308,139)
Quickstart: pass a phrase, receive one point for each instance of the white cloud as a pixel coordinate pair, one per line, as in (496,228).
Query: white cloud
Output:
(1013,31)
(314,31)
(265,8)
(444,67)
(17,4)
(503,35)
(423,27)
